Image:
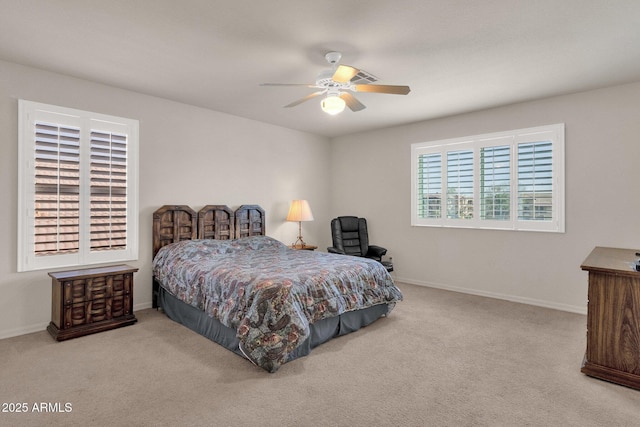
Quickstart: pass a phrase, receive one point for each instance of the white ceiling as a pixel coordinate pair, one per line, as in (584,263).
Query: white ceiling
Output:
(456,55)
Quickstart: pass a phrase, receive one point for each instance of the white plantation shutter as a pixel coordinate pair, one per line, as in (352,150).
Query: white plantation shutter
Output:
(429,185)
(535,181)
(495,183)
(460,184)
(507,180)
(57,189)
(78,188)
(108,191)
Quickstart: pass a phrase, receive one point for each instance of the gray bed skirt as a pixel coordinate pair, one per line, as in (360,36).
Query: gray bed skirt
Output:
(322,331)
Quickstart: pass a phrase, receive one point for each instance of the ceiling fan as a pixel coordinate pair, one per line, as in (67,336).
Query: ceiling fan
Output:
(337,84)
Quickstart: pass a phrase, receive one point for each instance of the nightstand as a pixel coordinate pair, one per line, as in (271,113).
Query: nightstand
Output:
(304,248)
(91,300)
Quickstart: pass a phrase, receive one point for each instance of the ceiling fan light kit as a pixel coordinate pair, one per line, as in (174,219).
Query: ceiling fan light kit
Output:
(333,105)
(338,82)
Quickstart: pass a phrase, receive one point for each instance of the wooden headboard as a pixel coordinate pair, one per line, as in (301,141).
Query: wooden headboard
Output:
(216,222)
(249,221)
(173,223)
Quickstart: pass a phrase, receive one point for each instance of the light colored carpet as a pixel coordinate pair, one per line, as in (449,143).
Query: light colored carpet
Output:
(440,359)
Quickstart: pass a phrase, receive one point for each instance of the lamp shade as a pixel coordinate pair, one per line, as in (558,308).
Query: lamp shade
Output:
(300,211)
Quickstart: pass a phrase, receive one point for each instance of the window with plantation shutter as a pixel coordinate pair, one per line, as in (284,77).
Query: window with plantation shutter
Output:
(508,180)
(77,187)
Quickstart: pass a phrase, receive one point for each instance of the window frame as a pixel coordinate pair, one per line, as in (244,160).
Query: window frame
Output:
(29,113)
(553,133)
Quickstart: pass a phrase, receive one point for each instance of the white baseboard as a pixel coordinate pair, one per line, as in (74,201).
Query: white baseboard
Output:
(540,303)
(137,307)
(9,333)
(513,298)
(39,327)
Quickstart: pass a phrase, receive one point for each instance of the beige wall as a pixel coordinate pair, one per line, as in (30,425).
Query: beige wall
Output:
(188,155)
(602,150)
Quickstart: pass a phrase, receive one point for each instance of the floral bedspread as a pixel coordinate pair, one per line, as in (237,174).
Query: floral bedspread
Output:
(268,292)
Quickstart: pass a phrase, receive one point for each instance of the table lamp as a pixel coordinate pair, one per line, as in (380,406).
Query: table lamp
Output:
(299,211)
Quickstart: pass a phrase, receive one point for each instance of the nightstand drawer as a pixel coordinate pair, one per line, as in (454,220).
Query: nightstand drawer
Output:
(74,291)
(75,315)
(96,288)
(91,300)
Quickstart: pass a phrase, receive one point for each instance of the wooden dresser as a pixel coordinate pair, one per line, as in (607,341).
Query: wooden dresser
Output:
(91,300)
(613,316)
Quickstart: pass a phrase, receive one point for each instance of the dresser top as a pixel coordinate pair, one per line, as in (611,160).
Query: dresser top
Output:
(92,272)
(612,260)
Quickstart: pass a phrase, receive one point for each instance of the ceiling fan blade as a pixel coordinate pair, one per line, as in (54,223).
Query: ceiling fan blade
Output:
(395,90)
(306,98)
(344,74)
(351,101)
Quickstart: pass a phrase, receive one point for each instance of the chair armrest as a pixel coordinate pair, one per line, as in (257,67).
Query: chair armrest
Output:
(376,252)
(333,250)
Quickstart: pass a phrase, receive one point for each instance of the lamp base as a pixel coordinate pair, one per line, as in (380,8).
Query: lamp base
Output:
(299,242)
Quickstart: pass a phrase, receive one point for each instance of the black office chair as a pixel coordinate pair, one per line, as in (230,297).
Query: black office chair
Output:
(350,237)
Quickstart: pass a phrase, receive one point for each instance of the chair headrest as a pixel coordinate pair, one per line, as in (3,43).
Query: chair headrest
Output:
(348,223)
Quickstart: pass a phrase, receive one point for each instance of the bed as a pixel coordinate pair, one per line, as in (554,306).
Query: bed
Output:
(217,273)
